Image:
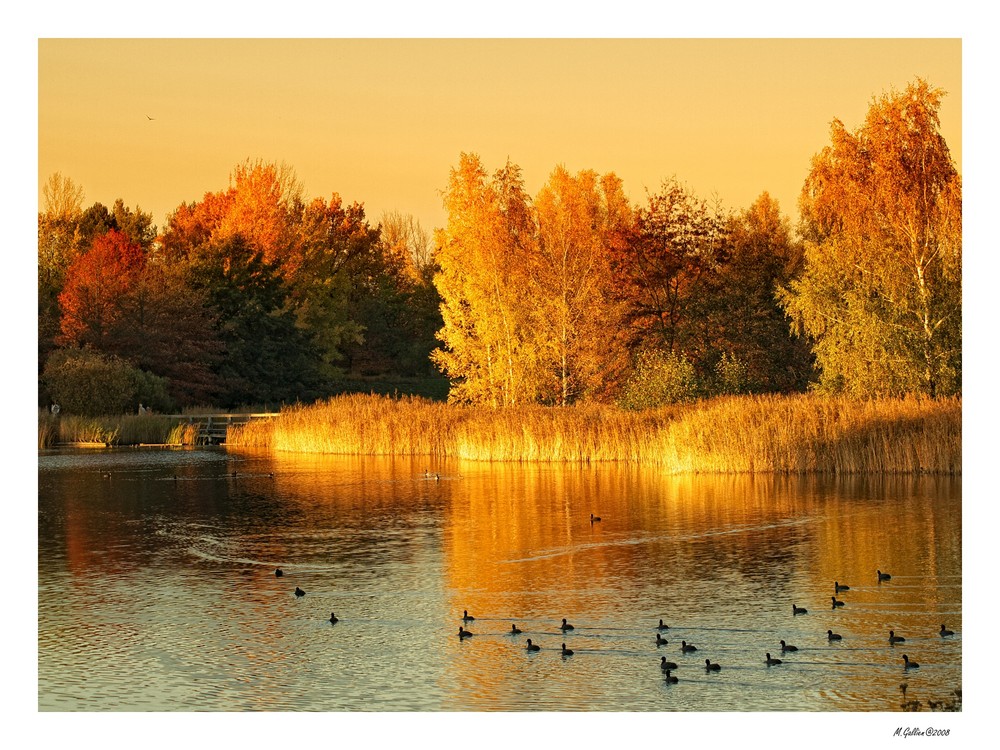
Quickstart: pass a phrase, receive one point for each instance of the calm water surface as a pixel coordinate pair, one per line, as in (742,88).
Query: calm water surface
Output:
(157,588)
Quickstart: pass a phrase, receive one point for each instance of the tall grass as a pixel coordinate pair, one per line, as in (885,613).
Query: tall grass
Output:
(802,433)
(126,429)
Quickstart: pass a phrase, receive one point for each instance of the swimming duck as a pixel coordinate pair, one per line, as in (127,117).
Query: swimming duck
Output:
(836,603)
(771,662)
(785,647)
(565,625)
(831,636)
(660,640)
(463,633)
(278,573)
(299,592)
(515,630)
(838,587)
(907,664)
(566,651)
(466,616)
(594,519)
(687,648)
(799,610)
(661,626)
(883,576)
(711,667)
(669,678)
(665,665)
(893,638)
(334,619)
(533,646)
(944,631)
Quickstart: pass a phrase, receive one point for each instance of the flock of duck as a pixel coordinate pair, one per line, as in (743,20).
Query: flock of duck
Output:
(668,667)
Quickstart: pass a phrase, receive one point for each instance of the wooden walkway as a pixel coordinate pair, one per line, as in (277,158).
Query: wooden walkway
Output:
(213,428)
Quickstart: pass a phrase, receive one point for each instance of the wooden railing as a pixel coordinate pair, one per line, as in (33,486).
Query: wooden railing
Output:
(212,428)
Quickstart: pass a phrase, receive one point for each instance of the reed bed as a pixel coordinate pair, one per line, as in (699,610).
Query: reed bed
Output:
(126,429)
(745,434)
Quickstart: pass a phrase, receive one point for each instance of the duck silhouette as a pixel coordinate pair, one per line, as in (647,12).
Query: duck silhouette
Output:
(334,619)
(836,603)
(466,616)
(831,636)
(661,626)
(665,665)
(711,666)
(669,678)
(785,647)
(660,640)
(515,630)
(463,633)
(771,662)
(907,664)
(299,592)
(565,625)
(278,573)
(838,587)
(883,576)
(687,648)
(799,610)
(893,638)
(944,631)
(566,651)
(594,519)
(533,646)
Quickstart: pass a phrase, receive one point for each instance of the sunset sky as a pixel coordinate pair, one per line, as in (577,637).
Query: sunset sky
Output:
(381,121)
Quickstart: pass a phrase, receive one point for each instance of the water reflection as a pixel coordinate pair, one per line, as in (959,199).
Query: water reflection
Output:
(158,585)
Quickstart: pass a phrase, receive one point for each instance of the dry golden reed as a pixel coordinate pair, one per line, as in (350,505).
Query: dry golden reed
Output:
(740,434)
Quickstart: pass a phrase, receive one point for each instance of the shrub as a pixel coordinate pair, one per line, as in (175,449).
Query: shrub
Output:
(85,382)
(658,379)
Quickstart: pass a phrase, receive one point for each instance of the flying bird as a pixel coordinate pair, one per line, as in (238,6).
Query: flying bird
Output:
(150,118)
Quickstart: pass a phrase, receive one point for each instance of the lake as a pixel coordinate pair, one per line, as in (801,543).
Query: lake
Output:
(157,586)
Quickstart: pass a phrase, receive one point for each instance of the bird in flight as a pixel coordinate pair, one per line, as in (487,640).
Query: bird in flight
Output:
(150,118)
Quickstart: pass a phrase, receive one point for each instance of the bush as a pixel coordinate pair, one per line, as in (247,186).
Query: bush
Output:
(85,382)
(659,378)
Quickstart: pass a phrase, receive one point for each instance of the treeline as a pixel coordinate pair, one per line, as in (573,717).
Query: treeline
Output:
(253,295)
(256,294)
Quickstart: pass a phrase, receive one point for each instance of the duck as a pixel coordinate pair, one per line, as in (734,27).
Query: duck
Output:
(533,646)
(907,664)
(661,626)
(299,592)
(893,638)
(334,619)
(463,633)
(711,667)
(836,603)
(687,648)
(838,587)
(669,678)
(785,647)
(565,625)
(566,651)
(799,610)
(944,631)
(515,630)
(660,640)
(594,519)
(278,573)
(771,662)
(466,616)
(883,576)
(666,665)
(831,636)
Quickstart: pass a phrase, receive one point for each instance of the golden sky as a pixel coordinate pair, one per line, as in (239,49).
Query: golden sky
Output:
(381,121)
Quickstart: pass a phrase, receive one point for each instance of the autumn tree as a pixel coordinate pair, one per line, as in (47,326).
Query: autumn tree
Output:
(485,255)
(755,350)
(576,317)
(668,273)
(880,294)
